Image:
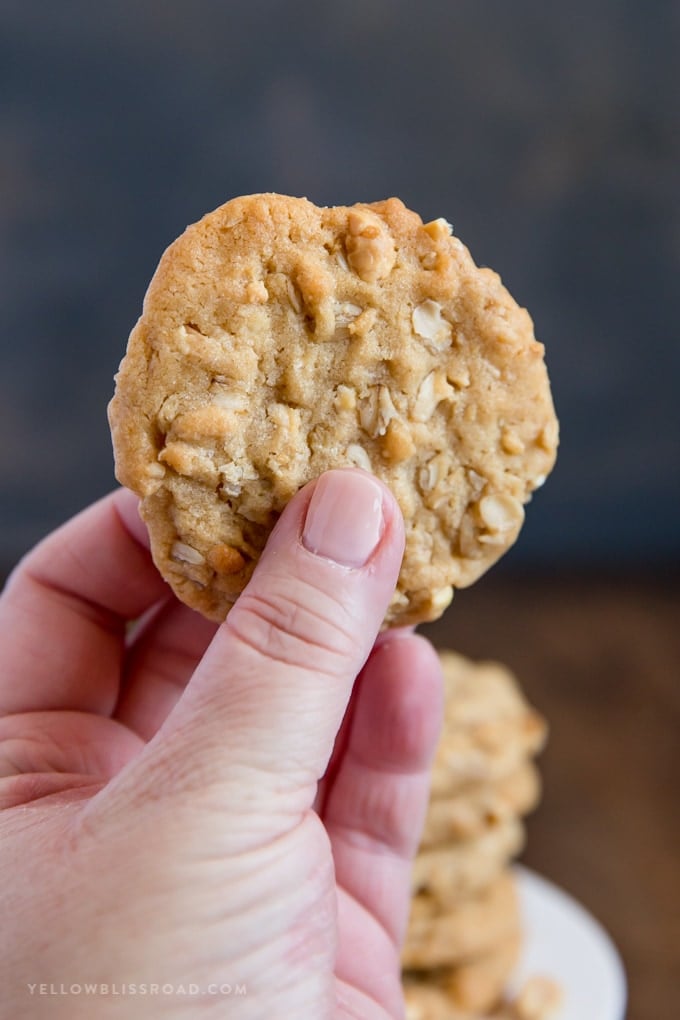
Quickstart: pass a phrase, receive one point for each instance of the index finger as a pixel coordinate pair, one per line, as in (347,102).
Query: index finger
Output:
(64,610)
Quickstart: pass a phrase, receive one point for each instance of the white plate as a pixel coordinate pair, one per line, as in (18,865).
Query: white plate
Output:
(564,942)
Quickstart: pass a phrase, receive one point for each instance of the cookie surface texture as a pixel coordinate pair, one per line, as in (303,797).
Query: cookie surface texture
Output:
(489,730)
(471,987)
(448,874)
(278,340)
(440,936)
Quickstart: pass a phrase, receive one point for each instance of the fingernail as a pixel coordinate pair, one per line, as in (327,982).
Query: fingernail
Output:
(344,519)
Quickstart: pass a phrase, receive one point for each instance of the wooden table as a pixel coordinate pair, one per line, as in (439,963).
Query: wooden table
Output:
(601,659)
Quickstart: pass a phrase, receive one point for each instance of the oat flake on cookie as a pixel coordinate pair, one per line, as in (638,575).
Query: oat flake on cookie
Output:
(278,340)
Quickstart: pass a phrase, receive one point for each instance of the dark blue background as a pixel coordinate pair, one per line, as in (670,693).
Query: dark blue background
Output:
(547,133)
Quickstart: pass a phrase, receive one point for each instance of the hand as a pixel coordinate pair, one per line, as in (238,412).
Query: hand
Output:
(201,821)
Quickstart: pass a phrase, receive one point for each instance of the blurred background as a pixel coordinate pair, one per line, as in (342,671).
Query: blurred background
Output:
(549,136)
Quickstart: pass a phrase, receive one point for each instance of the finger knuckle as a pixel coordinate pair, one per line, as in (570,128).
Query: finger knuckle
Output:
(297,625)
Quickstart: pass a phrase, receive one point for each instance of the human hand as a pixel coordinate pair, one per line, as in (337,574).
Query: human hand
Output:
(175,809)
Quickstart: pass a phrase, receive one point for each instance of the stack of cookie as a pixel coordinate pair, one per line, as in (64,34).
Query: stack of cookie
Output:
(464,933)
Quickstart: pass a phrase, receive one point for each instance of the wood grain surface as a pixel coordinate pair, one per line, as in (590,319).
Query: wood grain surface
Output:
(600,658)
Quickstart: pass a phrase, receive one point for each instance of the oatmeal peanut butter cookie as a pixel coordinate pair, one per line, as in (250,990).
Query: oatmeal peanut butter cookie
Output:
(468,813)
(538,999)
(471,987)
(449,873)
(489,729)
(278,340)
(440,935)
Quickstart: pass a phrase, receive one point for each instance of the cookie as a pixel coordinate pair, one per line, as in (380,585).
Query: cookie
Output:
(474,986)
(468,814)
(539,999)
(427,1002)
(478,984)
(437,937)
(489,729)
(278,340)
(477,691)
(485,754)
(448,874)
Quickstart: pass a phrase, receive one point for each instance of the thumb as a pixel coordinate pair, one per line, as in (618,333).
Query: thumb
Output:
(262,710)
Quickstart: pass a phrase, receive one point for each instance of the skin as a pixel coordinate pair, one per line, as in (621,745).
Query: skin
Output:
(213,808)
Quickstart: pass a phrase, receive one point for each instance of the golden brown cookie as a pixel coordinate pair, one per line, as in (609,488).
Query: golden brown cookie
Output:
(278,340)
(467,759)
(437,937)
(473,986)
(477,692)
(448,874)
(477,985)
(427,999)
(470,812)
(538,999)
(428,1002)
(489,730)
